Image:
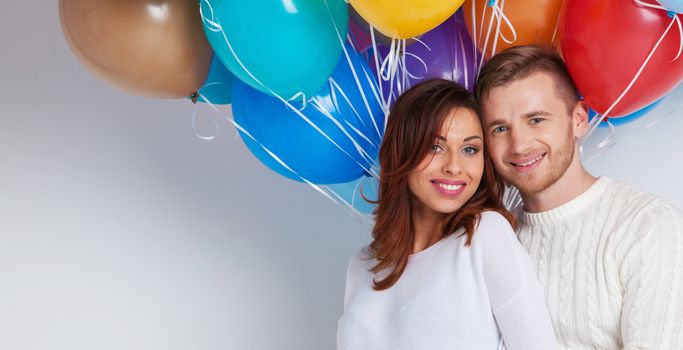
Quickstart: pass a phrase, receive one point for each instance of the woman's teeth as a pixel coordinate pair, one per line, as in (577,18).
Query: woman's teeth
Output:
(449,187)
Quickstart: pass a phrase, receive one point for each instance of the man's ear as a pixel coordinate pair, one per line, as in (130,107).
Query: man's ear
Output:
(580,119)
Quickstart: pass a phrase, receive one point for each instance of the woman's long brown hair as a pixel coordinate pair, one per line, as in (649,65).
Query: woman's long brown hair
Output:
(412,127)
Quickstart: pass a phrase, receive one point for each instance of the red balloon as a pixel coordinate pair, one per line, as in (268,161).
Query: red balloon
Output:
(604,44)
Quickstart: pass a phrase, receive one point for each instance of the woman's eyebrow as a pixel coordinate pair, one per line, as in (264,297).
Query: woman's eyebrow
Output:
(472,138)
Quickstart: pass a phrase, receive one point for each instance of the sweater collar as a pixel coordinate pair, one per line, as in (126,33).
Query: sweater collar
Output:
(564,211)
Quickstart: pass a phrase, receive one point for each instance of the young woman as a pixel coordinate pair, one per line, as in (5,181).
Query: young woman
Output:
(444,269)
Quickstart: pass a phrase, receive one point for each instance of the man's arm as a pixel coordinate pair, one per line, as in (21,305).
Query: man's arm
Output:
(651,277)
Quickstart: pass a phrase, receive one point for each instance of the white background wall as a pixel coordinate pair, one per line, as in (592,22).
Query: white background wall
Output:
(120,229)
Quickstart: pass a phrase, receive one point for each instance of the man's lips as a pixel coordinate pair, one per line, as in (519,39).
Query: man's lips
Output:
(527,163)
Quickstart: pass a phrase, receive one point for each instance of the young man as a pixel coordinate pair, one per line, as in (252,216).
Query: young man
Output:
(610,256)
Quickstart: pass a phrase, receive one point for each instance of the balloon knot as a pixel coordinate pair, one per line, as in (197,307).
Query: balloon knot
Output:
(605,120)
(194,97)
(671,14)
(492,3)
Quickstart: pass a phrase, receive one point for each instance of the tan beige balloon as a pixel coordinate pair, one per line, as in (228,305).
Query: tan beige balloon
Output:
(154,48)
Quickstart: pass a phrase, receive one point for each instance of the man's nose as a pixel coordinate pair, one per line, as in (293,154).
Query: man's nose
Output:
(520,141)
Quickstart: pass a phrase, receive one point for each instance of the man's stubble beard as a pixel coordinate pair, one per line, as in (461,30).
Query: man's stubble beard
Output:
(557,167)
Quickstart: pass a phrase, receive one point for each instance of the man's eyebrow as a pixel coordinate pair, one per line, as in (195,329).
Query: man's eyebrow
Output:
(525,116)
(535,113)
(495,122)
(472,138)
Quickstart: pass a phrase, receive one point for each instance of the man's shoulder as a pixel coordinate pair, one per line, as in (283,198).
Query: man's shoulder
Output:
(633,196)
(640,207)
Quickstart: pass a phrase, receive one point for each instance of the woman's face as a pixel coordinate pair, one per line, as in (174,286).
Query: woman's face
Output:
(450,174)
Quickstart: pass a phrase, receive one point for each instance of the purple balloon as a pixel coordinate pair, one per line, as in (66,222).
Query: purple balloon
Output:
(444,52)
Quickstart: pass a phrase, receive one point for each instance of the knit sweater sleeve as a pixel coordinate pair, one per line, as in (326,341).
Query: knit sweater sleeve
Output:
(515,294)
(651,278)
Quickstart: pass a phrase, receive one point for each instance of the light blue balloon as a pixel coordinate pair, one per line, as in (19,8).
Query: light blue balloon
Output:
(353,192)
(218,86)
(616,121)
(672,5)
(299,145)
(290,46)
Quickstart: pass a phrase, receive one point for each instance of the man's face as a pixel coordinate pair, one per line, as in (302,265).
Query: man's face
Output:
(530,133)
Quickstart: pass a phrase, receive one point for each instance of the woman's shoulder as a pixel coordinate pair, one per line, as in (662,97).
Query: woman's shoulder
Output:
(492,228)
(493,220)
(361,259)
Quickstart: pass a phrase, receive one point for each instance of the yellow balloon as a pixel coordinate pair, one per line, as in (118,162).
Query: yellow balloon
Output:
(403,19)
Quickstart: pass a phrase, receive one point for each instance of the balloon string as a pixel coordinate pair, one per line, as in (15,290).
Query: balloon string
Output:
(283,164)
(359,149)
(464,60)
(557,27)
(637,131)
(198,95)
(355,74)
(474,34)
(499,17)
(350,208)
(498,12)
(402,66)
(194,126)
(418,40)
(206,100)
(609,137)
(673,16)
(424,66)
(385,107)
(334,86)
(214,25)
(593,125)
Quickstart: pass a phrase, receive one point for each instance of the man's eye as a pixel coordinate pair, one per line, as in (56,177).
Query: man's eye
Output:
(500,129)
(536,120)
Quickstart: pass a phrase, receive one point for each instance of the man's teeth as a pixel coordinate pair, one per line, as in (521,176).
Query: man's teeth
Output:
(449,187)
(529,162)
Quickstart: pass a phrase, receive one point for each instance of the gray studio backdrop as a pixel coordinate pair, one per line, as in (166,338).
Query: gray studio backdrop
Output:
(121,229)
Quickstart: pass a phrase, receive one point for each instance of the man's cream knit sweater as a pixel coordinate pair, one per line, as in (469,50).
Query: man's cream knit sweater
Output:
(611,263)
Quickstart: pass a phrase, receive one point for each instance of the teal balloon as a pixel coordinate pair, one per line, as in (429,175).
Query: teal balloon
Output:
(218,86)
(353,128)
(617,121)
(290,46)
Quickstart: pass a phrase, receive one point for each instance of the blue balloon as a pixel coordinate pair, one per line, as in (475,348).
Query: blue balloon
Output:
(672,5)
(218,86)
(616,121)
(290,46)
(353,192)
(353,124)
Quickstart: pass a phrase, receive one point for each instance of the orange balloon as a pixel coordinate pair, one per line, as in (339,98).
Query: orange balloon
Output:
(154,48)
(534,21)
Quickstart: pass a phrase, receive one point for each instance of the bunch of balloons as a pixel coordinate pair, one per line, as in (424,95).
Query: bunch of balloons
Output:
(312,81)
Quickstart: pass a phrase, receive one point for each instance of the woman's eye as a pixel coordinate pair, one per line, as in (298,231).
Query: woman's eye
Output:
(470,150)
(436,148)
